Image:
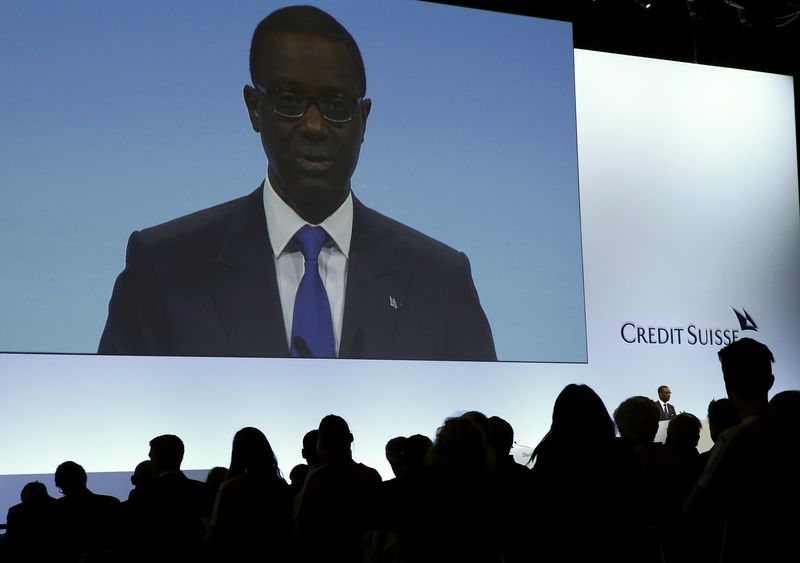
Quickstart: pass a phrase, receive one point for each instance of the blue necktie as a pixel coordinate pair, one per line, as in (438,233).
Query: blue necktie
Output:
(312,327)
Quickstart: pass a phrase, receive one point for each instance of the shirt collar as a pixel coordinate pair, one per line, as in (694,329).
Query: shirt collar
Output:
(283,222)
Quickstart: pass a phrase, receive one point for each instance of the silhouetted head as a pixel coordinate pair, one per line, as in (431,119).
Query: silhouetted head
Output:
(481,421)
(786,406)
(309,451)
(683,432)
(460,449)
(334,440)
(394,454)
(579,413)
(414,451)
(664,393)
(252,454)
(34,492)
(215,477)
(70,478)
(579,419)
(307,103)
(143,474)
(747,369)
(166,453)
(637,420)
(722,414)
(297,475)
(502,436)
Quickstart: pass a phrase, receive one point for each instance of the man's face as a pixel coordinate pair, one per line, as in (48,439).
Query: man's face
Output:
(664,394)
(311,159)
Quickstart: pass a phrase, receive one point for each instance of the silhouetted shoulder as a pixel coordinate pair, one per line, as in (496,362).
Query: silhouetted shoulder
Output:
(369,475)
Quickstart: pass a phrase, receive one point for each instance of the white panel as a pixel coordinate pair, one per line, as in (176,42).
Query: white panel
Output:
(689,207)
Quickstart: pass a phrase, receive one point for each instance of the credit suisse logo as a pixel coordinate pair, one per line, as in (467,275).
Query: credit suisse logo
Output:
(690,334)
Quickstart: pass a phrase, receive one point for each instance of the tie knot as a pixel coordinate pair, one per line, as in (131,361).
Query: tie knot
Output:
(311,239)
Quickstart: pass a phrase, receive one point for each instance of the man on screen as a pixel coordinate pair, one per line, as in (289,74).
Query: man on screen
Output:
(299,267)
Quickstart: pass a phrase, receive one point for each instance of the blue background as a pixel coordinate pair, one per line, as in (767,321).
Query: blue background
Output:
(117,116)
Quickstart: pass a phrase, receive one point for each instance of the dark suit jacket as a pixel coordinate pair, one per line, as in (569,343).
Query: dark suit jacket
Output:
(169,520)
(30,531)
(205,285)
(85,523)
(670,408)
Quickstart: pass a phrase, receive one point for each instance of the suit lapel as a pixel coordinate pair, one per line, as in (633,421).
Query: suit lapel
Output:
(376,288)
(246,288)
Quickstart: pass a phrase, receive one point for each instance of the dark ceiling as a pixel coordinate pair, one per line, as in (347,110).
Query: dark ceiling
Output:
(752,34)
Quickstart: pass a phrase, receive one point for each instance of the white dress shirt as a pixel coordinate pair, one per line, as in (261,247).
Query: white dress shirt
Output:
(282,224)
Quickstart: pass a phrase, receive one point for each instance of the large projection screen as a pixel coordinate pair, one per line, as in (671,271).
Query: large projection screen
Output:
(689,210)
(121,117)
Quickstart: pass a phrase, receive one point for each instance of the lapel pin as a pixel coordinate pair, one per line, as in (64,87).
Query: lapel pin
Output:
(393,302)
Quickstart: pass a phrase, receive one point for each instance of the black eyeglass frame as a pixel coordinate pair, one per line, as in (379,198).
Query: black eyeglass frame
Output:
(308,100)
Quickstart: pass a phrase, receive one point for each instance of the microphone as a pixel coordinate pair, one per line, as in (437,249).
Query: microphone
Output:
(299,344)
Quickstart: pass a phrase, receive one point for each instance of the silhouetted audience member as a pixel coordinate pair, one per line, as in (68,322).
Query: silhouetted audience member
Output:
(451,514)
(663,480)
(508,481)
(85,522)
(481,421)
(415,450)
(461,452)
(751,477)
(579,502)
(331,510)
(501,440)
(637,421)
(30,526)
(141,479)
(394,454)
(215,477)
(132,511)
(394,503)
(722,414)
(297,476)
(786,407)
(683,435)
(252,518)
(173,508)
(309,452)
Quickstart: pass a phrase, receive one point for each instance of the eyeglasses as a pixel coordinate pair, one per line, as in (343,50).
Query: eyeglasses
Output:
(335,107)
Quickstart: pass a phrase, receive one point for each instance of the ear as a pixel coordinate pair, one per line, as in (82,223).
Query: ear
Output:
(366,106)
(252,100)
